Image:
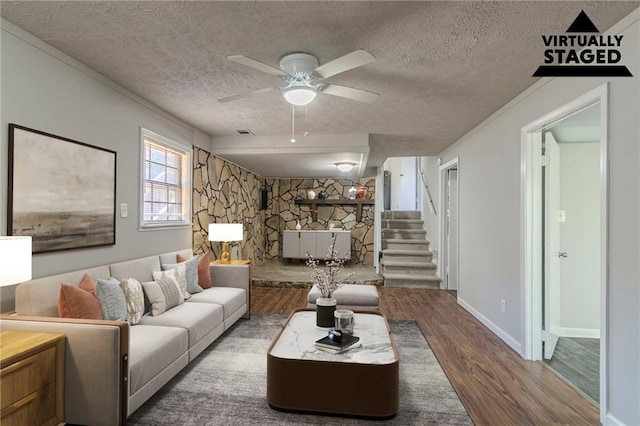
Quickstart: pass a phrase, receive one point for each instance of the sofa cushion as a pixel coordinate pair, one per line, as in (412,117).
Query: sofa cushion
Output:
(75,302)
(204,274)
(198,318)
(134,296)
(39,297)
(230,298)
(140,269)
(177,274)
(151,350)
(191,273)
(163,295)
(112,301)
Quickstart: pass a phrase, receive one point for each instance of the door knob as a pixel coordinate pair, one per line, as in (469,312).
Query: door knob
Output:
(563,254)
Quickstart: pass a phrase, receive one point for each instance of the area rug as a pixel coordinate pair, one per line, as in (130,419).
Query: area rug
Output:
(226,384)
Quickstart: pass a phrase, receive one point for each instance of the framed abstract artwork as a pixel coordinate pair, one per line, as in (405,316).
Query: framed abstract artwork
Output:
(62,192)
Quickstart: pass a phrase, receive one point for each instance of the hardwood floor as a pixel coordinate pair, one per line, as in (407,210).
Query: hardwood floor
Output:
(578,361)
(496,385)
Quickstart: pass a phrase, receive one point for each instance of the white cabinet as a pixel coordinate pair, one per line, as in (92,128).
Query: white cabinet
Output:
(290,244)
(298,244)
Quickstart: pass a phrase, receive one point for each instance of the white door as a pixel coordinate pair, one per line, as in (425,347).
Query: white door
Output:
(553,253)
(452,230)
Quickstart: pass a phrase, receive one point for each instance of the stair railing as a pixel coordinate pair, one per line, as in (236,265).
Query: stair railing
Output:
(432,206)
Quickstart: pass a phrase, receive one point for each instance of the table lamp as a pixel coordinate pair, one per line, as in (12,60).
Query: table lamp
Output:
(15,260)
(225,232)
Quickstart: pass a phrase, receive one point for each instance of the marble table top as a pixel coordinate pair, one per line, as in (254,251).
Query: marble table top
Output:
(300,332)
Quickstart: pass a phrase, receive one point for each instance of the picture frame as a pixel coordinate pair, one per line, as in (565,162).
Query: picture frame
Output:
(61,192)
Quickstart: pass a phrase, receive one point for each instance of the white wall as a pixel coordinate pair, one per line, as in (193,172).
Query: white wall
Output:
(490,236)
(45,90)
(580,238)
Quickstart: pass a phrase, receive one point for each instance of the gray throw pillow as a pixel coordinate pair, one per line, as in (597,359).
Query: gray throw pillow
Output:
(112,300)
(191,273)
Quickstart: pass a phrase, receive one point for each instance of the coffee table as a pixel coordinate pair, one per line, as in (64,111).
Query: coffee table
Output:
(362,381)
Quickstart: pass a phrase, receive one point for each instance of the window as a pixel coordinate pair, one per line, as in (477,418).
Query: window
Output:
(166,182)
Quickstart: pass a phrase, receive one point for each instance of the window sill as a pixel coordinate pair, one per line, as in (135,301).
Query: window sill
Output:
(163,227)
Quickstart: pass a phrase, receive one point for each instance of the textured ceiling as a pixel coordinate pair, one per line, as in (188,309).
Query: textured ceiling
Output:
(441,67)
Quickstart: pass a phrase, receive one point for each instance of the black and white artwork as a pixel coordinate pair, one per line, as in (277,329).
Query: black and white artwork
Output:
(61,192)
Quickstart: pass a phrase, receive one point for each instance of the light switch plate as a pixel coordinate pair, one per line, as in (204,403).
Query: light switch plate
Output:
(124,210)
(562,216)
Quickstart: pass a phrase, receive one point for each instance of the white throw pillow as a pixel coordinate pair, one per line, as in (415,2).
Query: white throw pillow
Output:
(177,274)
(134,296)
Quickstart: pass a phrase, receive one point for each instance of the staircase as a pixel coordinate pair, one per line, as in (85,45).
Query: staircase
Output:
(406,258)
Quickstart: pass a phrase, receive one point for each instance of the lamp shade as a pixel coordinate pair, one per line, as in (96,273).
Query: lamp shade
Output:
(15,260)
(225,232)
(299,95)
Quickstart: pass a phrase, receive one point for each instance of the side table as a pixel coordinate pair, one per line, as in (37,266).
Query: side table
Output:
(247,315)
(32,373)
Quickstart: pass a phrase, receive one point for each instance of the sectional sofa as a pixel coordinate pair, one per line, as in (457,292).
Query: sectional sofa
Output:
(112,368)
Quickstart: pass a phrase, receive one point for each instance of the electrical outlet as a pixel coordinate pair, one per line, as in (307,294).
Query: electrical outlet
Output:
(503,306)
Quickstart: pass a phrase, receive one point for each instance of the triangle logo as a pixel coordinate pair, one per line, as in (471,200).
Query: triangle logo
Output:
(582,24)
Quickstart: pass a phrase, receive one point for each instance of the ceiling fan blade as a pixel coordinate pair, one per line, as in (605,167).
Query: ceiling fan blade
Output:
(350,93)
(347,62)
(257,65)
(248,94)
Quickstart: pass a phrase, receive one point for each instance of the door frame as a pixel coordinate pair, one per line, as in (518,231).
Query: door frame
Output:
(443,253)
(530,229)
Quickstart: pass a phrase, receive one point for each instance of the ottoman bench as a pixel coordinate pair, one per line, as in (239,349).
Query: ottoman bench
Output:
(357,297)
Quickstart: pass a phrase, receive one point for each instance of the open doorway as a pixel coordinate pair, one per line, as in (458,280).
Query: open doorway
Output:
(449,175)
(564,206)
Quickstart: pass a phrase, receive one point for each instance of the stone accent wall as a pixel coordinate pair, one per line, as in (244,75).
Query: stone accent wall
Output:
(283,213)
(226,193)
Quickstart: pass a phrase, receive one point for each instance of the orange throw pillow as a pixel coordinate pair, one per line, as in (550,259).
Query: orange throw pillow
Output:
(74,302)
(88,284)
(204,275)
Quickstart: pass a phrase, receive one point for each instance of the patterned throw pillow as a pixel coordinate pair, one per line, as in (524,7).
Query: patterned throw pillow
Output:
(134,296)
(177,274)
(112,301)
(204,274)
(191,274)
(163,294)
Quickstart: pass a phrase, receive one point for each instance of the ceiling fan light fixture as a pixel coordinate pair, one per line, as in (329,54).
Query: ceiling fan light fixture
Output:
(299,96)
(345,166)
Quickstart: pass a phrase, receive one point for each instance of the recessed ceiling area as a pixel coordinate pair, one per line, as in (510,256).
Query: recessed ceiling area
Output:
(440,68)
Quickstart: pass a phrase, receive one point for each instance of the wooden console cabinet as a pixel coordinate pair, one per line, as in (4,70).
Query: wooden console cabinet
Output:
(32,378)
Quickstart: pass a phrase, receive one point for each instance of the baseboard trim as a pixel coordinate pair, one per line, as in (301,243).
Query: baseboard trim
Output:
(590,333)
(613,420)
(503,335)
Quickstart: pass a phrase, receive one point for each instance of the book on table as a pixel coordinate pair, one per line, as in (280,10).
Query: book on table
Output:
(328,345)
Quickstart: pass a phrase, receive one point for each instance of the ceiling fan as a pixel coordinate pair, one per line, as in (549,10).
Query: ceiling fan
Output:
(304,78)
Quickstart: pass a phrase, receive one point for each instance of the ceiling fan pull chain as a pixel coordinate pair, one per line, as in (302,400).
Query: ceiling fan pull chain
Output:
(306,126)
(293,124)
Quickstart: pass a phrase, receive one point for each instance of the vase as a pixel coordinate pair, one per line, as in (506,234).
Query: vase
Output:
(325,310)
(322,195)
(311,194)
(362,193)
(352,193)
(298,227)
